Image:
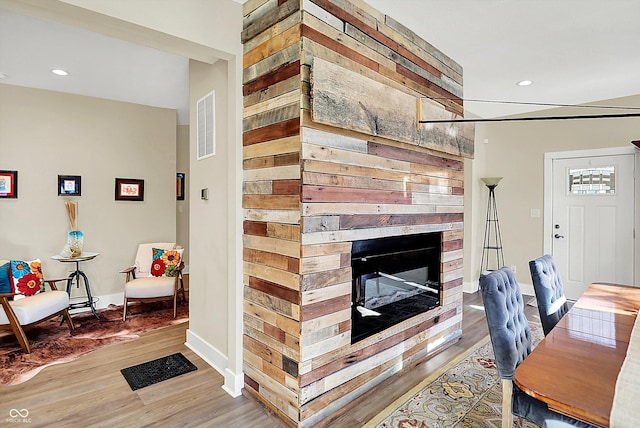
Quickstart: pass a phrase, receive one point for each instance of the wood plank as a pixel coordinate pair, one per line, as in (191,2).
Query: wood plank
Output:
(257,187)
(275,43)
(278,216)
(333,209)
(292,84)
(254,228)
(278,276)
(413,156)
(313,9)
(320,223)
(314,178)
(358,234)
(319,280)
(324,249)
(272,132)
(387,112)
(277,306)
(273,116)
(289,232)
(385,220)
(281,58)
(279,74)
(326,293)
(276,290)
(332,139)
(251,5)
(286,98)
(288,172)
(277,261)
(272,31)
(415,40)
(314,264)
(366,196)
(272,245)
(342,43)
(286,187)
(313,152)
(273,147)
(367,171)
(255,24)
(279,202)
(322,322)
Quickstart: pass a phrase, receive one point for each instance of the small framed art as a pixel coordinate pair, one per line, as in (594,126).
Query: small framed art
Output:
(129,189)
(8,184)
(69,185)
(180,176)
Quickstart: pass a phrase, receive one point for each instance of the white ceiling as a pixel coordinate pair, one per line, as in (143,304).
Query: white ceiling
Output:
(575,51)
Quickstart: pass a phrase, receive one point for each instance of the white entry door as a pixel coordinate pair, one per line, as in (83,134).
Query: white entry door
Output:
(592,221)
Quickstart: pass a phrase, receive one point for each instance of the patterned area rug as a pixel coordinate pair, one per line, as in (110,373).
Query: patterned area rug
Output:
(466,393)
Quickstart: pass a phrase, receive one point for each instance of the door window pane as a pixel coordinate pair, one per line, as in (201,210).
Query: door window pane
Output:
(592,181)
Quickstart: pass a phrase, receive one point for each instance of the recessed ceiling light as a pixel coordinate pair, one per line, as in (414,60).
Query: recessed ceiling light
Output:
(59,72)
(525,82)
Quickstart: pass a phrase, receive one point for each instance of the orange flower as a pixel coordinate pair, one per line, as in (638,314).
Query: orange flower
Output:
(171,258)
(36,268)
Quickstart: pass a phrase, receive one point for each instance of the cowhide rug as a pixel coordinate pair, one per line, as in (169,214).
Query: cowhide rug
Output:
(53,343)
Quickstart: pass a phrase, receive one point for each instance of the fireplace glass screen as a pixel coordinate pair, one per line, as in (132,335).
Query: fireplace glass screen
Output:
(394,279)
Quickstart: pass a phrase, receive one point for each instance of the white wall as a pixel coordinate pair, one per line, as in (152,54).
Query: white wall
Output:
(515,151)
(182,207)
(44,134)
(208,218)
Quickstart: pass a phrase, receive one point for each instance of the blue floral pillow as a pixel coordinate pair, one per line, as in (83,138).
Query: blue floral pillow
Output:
(165,262)
(5,280)
(27,277)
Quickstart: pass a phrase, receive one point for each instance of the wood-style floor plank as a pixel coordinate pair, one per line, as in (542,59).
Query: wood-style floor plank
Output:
(91,391)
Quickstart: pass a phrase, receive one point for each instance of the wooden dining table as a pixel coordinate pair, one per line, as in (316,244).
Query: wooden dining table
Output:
(574,369)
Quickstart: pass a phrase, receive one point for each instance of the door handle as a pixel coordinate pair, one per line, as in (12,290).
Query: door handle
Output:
(557,236)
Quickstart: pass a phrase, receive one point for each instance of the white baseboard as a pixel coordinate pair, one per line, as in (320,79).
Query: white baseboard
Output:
(233,383)
(470,287)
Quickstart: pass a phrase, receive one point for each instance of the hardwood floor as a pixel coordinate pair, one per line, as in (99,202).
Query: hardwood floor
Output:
(91,392)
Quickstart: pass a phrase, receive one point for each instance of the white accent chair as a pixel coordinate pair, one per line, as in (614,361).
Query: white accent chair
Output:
(142,286)
(19,315)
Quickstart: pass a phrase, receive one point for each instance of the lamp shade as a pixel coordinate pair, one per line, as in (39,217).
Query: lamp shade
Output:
(491,181)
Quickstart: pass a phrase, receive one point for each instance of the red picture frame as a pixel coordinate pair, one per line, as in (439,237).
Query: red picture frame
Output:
(8,184)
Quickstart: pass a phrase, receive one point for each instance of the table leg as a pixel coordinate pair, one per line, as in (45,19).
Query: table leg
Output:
(77,274)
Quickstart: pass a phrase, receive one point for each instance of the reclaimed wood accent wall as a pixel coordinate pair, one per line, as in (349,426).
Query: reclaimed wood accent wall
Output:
(316,179)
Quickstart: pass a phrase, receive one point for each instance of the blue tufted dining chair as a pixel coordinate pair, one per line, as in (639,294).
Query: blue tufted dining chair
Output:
(547,285)
(511,340)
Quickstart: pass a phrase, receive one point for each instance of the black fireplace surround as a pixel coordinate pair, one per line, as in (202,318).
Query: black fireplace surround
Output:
(394,279)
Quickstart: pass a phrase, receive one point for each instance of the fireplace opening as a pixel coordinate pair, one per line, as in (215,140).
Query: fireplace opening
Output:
(394,279)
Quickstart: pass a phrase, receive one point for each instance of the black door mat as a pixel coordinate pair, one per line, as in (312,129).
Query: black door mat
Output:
(155,371)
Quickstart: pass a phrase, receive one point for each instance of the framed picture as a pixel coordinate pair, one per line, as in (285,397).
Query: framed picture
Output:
(180,186)
(69,185)
(8,184)
(129,189)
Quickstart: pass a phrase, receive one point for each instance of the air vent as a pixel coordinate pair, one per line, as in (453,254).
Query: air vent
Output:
(206,126)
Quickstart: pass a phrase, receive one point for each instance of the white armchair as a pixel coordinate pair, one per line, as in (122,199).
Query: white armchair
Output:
(155,275)
(18,315)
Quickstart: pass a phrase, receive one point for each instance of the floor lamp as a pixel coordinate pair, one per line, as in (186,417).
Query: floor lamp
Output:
(492,238)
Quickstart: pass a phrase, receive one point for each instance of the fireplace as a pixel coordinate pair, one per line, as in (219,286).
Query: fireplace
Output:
(394,279)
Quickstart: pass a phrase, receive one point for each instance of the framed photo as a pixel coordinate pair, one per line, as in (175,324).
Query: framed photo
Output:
(69,185)
(180,186)
(129,189)
(8,184)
